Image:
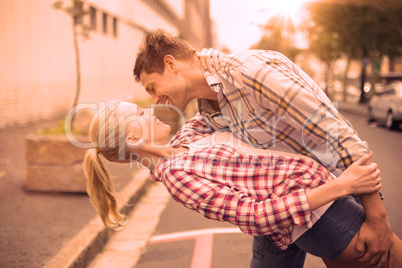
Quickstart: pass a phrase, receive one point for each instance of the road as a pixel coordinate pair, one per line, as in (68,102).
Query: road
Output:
(387,148)
(194,241)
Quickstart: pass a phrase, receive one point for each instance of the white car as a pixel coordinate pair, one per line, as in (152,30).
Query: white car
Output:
(386,107)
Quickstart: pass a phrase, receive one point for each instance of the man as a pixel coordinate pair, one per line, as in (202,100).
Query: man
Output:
(268,102)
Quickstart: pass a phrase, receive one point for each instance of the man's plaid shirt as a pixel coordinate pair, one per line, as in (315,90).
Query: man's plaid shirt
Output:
(262,195)
(269,102)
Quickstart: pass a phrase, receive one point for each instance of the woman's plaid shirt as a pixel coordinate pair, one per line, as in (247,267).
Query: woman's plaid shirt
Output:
(263,195)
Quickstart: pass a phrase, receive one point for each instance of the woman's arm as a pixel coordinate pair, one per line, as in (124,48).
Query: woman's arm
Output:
(356,179)
(195,128)
(220,202)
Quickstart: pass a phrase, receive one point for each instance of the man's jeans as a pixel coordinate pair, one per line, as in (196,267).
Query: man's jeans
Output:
(267,255)
(327,239)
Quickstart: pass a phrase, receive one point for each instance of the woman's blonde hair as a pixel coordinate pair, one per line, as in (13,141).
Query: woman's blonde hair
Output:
(111,144)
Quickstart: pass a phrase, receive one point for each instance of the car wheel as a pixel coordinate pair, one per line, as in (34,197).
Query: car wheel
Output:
(369,116)
(390,122)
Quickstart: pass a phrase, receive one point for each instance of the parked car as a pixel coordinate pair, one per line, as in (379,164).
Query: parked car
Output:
(386,107)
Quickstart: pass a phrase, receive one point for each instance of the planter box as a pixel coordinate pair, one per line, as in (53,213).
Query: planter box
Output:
(54,164)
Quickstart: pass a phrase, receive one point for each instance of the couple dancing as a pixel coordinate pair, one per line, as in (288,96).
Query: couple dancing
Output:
(261,155)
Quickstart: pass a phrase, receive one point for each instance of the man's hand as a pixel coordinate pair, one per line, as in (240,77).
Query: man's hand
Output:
(210,59)
(375,244)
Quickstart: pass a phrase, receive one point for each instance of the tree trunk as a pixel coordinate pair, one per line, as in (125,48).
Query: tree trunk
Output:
(345,80)
(78,71)
(362,81)
(327,80)
(365,62)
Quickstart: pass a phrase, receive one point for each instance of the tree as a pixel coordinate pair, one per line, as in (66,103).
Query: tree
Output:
(366,32)
(324,45)
(278,36)
(76,13)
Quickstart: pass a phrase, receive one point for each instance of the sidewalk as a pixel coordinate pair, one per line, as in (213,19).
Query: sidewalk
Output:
(36,226)
(58,229)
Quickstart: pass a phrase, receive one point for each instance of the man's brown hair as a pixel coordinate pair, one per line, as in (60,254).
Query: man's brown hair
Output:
(156,45)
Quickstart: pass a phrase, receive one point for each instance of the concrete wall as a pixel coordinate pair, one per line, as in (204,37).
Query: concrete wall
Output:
(37,70)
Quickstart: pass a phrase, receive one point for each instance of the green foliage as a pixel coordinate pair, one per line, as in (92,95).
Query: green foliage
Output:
(365,31)
(56,130)
(358,30)
(274,39)
(58,4)
(61,129)
(77,13)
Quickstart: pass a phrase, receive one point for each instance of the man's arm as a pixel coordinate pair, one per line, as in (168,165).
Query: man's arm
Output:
(287,91)
(375,236)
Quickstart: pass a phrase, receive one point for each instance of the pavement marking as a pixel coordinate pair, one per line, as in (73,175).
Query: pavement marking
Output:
(202,255)
(204,241)
(203,249)
(191,234)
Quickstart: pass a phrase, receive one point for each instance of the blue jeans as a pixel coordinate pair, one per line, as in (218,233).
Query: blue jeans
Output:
(267,255)
(328,237)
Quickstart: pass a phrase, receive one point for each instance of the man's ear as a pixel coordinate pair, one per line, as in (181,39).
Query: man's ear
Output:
(133,141)
(170,63)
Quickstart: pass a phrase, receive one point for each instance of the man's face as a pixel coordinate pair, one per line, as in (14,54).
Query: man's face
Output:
(167,89)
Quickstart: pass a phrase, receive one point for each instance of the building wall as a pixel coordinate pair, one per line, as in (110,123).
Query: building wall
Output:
(37,74)
(32,73)
(197,17)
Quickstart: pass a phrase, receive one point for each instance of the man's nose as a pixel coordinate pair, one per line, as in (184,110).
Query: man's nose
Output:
(155,99)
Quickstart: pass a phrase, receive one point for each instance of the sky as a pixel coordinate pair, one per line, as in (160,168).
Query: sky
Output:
(237,23)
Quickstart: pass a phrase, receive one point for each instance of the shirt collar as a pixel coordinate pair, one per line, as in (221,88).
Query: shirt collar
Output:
(213,81)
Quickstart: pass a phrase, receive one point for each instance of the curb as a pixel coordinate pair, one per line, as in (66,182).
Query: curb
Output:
(86,244)
(353,108)
(125,248)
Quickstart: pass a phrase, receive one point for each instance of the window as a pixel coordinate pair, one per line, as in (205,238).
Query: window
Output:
(115,27)
(104,23)
(92,12)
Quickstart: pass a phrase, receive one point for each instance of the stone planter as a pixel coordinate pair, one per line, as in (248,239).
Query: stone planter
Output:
(54,164)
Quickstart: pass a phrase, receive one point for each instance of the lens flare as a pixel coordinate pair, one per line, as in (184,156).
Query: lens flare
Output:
(287,17)
(288,8)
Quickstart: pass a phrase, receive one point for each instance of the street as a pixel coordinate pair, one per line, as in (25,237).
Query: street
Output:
(186,239)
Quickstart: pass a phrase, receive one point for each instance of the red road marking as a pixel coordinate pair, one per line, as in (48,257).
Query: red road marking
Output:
(202,255)
(204,239)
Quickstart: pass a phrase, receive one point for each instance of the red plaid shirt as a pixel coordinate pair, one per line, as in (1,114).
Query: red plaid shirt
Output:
(263,195)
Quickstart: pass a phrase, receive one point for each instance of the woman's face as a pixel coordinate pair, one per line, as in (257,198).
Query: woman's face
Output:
(141,123)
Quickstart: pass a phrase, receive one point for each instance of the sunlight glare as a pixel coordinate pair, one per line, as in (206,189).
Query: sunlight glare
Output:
(290,9)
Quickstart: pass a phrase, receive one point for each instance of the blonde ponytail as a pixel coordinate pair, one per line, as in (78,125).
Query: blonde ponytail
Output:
(101,191)
(100,187)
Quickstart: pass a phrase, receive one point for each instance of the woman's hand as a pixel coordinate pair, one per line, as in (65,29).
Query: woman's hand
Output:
(360,178)
(210,59)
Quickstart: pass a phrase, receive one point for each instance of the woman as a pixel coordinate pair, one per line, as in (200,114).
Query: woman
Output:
(219,178)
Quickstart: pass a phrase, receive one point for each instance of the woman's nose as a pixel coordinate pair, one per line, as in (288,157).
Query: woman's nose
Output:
(148,111)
